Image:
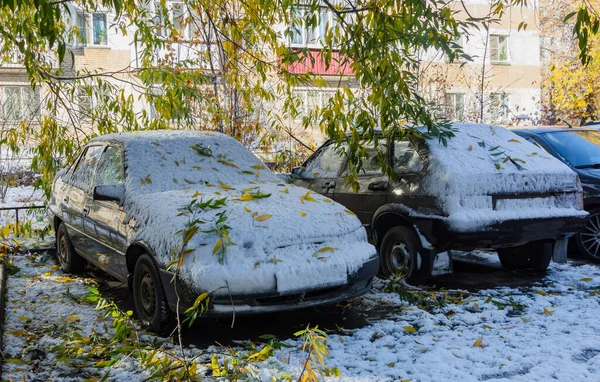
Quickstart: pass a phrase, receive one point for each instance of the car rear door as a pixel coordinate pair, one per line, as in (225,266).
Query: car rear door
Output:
(321,170)
(74,196)
(103,219)
(373,184)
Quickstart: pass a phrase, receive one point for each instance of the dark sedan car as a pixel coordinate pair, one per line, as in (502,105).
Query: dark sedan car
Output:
(148,205)
(579,148)
(484,189)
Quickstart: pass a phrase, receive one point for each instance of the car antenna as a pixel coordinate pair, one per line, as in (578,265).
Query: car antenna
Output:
(568,124)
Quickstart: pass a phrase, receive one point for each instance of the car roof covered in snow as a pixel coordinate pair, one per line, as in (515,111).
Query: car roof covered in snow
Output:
(151,136)
(535,130)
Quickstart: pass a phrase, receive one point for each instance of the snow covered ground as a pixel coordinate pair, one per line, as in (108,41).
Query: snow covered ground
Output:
(546,330)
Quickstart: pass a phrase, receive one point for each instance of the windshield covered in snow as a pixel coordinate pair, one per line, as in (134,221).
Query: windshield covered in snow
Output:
(580,149)
(158,161)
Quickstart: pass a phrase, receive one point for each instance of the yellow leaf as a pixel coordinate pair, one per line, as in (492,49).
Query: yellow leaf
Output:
(196,194)
(586,279)
(24,318)
(257,167)
(327,200)
(410,329)
(487,326)
(73,319)
(349,212)
(286,191)
(478,343)
(247,209)
(218,246)
(548,312)
(263,217)
(514,140)
(225,187)
(48,273)
(309,198)
(65,279)
(539,291)
(326,249)
(19,333)
(302,213)
(16,360)
(246,197)
(230,164)
(275,260)
(55,267)
(391,364)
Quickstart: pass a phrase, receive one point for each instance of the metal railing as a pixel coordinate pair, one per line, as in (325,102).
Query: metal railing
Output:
(17,209)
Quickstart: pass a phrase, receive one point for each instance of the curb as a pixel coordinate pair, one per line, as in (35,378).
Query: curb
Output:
(3,276)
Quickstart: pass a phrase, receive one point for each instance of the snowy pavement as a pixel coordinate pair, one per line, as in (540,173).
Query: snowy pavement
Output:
(548,329)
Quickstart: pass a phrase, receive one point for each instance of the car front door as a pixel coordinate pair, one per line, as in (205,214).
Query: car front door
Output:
(409,164)
(74,196)
(321,170)
(102,223)
(373,184)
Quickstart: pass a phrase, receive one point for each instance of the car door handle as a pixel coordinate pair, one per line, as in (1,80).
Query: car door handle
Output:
(327,186)
(381,185)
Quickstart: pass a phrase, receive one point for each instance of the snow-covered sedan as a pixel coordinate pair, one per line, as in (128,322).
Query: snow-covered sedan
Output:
(485,188)
(143,206)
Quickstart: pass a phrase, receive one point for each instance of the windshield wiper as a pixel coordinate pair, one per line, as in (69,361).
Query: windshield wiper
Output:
(595,165)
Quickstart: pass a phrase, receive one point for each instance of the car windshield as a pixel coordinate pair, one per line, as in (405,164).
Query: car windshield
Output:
(191,161)
(579,148)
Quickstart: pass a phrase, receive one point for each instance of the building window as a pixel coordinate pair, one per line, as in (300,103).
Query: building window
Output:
(303,35)
(310,99)
(85,101)
(498,48)
(19,103)
(455,107)
(499,107)
(94,26)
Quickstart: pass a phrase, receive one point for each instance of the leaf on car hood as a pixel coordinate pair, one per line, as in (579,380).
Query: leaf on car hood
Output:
(263,217)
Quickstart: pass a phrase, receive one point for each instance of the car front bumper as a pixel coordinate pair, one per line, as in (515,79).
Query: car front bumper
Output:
(358,284)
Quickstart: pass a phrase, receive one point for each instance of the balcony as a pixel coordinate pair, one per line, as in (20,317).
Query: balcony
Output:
(315,64)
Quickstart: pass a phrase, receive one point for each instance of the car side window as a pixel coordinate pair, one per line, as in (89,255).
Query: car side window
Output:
(372,164)
(110,167)
(406,158)
(326,164)
(82,174)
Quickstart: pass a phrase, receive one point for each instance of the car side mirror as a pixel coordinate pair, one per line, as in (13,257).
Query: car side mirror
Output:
(112,192)
(297,171)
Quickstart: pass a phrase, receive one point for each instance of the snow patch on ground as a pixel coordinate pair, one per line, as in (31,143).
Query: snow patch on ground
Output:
(547,331)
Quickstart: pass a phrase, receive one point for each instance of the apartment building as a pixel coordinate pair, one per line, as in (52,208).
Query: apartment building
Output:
(500,85)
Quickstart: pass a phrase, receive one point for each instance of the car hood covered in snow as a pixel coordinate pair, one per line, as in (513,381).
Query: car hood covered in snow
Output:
(483,162)
(283,238)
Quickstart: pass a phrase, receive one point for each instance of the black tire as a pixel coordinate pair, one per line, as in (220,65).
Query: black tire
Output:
(535,255)
(149,297)
(588,240)
(69,260)
(398,254)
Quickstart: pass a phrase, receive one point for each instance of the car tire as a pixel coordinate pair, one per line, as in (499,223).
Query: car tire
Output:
(588,240)
(398,254)
(70,261)
(535,255)
(149,298)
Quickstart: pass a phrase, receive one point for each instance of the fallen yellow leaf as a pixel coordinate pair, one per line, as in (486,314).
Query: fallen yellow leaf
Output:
(302,213)
(410,329)
(478,343)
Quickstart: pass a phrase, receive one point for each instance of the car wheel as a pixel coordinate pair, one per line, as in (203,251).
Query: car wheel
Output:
(535,255)
(588,240)
(398,254)
(149,297)
(69,260)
